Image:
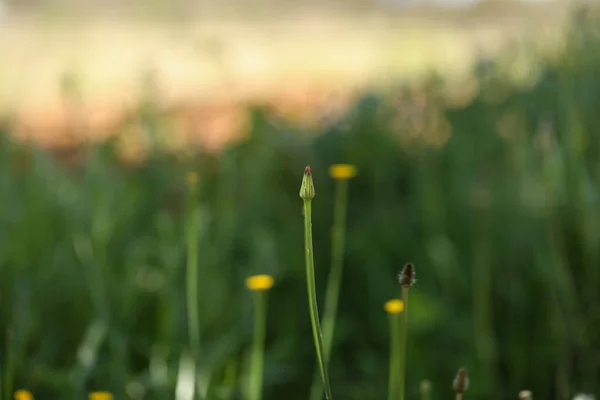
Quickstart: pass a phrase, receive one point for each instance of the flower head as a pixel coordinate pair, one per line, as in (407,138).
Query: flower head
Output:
(23,394)
(342,171)
(307,190)
(101,396)
(425,386)
(394,306)
(192,178)
(584,396)
(461,381)
(259,282)
(525,395)
(406,277)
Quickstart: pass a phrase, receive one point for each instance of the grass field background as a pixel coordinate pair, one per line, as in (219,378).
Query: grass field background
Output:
(212,62)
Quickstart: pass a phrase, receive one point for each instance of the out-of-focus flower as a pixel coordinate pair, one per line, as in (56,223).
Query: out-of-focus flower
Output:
(394,306)
(525,395)
(23,394)
(101,396)
(342,171)
(192,178)
(584,396)
(461,382)
(259,282)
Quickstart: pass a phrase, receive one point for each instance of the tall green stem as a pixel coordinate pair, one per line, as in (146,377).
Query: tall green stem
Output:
(258,345)
(8,368)
(312,297)
(394,356)
(334,282)
(192,271)
(402,377)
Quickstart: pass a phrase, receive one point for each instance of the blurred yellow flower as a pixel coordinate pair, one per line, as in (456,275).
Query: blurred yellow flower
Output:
(192,178)
(259,282)
(394,306)
(22,394)
(342,171)
(101,396)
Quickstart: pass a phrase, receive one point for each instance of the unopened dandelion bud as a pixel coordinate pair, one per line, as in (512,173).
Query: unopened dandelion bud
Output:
(406,277)
(525,395)
(425,389)
(307,190)
(461,382)
(584,396)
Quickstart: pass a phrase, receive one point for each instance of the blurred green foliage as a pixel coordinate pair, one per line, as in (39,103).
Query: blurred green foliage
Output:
(502,220)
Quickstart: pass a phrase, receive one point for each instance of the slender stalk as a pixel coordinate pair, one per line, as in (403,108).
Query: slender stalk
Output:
(402,376)
(192,270)
(334,281)
(8,368)
(482,301)
(459,396)
(312,297)
(258,345)
(394,356)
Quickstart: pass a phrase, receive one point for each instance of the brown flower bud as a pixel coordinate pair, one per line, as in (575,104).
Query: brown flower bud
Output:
(406,277)
(461,382)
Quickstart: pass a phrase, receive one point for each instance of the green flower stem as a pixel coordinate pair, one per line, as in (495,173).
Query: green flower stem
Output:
(402,377)
(192,274)
(8,368)
(312,297)
(334,282)
(394,356)
(258,345)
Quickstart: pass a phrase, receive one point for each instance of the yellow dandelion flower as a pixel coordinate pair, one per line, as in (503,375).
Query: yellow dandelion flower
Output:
(23,394)
(394,306)
(101,396)
(259,282)
(192,178)
(342,171)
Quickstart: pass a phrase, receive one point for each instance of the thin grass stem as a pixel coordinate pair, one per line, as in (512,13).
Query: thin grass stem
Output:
(402,375)
(192,269)
(312,298)
(394,356)
(258,345)
(8,368)
(334,282)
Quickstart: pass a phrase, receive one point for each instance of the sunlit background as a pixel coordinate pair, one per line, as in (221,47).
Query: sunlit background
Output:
(151,158)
